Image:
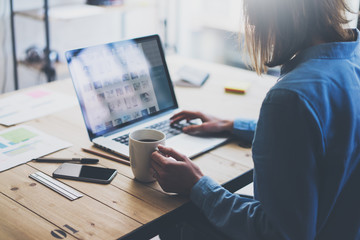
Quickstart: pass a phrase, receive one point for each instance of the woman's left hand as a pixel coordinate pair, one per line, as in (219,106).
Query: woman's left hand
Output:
(174,171)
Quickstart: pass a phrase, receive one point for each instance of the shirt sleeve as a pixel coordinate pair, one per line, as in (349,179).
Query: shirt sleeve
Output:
(244,130)
(284,153)
(235,216)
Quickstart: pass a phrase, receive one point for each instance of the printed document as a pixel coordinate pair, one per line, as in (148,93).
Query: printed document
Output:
(21,144)
(32,104)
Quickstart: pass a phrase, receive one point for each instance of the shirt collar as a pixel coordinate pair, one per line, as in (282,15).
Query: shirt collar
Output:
(333,50)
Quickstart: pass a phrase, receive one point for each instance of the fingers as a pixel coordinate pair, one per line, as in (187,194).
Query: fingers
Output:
(188,115)
(174,176)
(159,159)
(162,166)
(194,128)
(157,168)
(205,127)
(158,172)
(172,153)
(185,113)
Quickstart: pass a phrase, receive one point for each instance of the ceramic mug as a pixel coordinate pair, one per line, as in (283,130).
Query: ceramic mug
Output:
(142,143)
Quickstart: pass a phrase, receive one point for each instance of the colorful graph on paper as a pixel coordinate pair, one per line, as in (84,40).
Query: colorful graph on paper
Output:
(21,144)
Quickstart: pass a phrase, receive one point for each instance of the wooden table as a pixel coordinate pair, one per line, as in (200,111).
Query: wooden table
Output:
(30,210)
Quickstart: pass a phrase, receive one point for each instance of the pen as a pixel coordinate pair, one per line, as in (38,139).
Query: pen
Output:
(62,160)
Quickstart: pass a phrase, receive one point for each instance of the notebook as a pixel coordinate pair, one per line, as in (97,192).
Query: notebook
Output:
(124,86)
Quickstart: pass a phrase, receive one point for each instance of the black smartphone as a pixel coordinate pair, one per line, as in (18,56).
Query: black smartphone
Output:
(85,173)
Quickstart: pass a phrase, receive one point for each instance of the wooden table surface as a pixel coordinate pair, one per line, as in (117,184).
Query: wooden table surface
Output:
(30,210)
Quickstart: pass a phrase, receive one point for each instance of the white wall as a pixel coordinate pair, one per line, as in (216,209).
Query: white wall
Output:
(354,6)
(209,28)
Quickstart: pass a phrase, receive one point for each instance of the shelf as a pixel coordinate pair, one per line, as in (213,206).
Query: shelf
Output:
(38,66)
(76,11)
(63,12)
(60,67)
(66,13)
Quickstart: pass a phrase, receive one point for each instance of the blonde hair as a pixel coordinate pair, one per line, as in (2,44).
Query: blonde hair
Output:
(275,30)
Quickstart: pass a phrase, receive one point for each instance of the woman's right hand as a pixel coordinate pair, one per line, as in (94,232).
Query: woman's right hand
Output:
(209,124)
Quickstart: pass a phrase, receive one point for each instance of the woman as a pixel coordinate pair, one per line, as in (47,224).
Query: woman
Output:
(306,148)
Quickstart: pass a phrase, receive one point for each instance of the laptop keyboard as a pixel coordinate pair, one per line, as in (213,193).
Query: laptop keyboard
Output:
(164,126)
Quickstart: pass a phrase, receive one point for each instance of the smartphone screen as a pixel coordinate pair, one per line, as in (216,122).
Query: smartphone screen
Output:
(85,173)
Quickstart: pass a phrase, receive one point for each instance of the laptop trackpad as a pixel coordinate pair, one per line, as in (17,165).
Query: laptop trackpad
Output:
(192,145)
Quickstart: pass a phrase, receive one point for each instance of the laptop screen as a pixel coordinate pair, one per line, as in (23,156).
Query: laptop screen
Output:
(121,83)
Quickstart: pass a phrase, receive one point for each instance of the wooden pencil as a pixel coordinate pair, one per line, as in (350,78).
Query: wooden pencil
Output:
(107,156)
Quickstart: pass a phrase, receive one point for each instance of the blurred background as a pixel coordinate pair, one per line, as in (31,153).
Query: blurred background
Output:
(205,29)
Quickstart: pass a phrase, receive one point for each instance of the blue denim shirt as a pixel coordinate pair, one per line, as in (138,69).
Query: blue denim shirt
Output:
(306,153)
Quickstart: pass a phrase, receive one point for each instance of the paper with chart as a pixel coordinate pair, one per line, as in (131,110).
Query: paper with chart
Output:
(21,144)
(25,106)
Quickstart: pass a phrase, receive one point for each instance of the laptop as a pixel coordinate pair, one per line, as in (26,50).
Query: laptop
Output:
(124,86)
